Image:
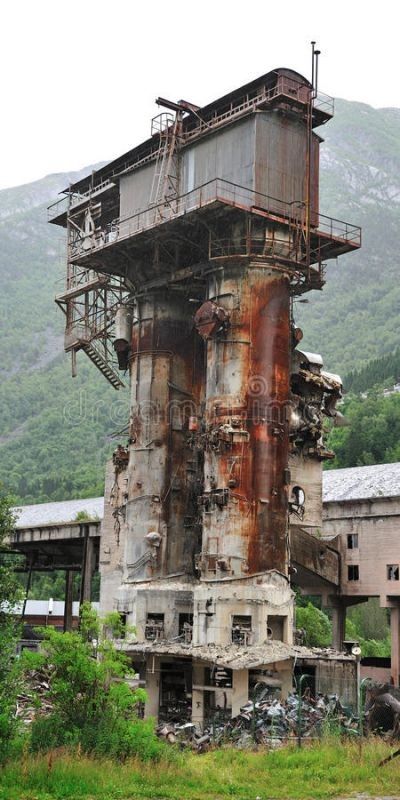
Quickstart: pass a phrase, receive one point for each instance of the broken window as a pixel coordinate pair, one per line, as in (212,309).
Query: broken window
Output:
(186,627)
(352,541)
(122,627)
(392,571)
(241,629)
(275,627)
(154,627)
(353,572)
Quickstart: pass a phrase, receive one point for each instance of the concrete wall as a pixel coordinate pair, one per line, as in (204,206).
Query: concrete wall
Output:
(377,524)
(262,598)
(334,676)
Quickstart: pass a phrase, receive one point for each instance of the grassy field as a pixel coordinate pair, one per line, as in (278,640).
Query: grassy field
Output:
(323,771)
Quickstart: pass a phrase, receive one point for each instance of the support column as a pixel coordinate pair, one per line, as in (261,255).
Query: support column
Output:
(338,626)
(198,696)
(286,676)
(395,640)
(153,675)
(240,690)
(87,566)
(69,583)
(164,396)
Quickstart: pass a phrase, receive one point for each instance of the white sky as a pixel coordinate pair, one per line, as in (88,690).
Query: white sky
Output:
(79,78)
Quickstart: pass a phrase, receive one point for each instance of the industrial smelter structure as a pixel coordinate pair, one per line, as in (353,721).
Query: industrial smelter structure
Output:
(184,256)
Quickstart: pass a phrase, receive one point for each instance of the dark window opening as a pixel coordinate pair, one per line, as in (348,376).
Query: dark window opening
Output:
(154,627)
(275,625)
(122,631)
(353,572)
(241,629)
(308,684)
(352,541)
(175,691)
(392,572)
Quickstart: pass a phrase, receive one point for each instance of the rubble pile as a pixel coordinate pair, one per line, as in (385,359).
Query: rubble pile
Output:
(267,721)
(35,697)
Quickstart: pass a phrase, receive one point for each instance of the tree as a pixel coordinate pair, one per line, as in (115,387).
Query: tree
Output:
(316,625)
(11,594)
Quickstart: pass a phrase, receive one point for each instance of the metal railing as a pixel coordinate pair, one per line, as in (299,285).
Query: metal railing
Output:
(73,199)
(221,191)
(324,102)
(285,86)
(57,208)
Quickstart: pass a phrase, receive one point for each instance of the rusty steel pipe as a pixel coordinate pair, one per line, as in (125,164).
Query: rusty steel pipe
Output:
(165,366)
(245,508)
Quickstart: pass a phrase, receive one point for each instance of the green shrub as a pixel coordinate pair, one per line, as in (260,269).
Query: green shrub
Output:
(93,706)
(49,731)
(10,595)
(316,624)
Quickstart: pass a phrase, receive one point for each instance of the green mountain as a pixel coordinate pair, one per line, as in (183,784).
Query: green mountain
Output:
(355,318)
(55,432)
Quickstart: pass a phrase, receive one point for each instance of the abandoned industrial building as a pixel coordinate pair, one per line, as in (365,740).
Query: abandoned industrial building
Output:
(184,258)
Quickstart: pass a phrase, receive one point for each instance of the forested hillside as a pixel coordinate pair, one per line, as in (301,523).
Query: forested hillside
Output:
(383,371)
(55,432)
(355,317)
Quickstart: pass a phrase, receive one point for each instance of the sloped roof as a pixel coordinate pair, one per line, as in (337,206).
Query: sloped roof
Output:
(57,513)
(359,483)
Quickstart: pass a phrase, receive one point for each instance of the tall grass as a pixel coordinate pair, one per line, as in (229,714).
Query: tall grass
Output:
(318,771)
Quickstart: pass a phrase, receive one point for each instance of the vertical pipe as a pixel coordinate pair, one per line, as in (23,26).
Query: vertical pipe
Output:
(245,521)
(28,586)
(69,584)
(165,389)
(395,638)
(87,565)
(270,434)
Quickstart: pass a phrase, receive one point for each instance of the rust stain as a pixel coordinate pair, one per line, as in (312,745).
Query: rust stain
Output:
(247,437)
(168,396)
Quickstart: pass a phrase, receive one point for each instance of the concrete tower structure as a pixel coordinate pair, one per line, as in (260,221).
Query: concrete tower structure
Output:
(184,256)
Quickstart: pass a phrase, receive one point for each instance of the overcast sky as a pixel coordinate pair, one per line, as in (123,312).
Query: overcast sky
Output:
(79,78)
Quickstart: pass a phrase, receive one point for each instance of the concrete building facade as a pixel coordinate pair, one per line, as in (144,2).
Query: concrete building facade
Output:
(361,520)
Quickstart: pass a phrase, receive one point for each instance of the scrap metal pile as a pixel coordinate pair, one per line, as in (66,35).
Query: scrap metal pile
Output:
(267,721)
(36,695)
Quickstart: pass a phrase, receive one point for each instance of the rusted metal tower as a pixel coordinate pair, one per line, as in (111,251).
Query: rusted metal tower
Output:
(186,253)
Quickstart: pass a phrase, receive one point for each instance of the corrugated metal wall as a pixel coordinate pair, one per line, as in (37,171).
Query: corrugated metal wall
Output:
(135,190)
(281,152)
(265,153)
(228,154)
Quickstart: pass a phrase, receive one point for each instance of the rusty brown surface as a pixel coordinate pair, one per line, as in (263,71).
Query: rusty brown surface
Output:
(166,370)
(270,312)
(246,446)
(209,319)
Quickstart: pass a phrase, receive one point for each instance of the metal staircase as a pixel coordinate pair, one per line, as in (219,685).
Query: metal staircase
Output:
(100,362)
(90,303)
